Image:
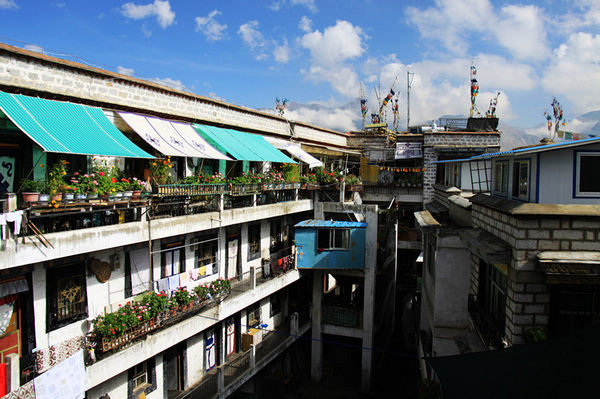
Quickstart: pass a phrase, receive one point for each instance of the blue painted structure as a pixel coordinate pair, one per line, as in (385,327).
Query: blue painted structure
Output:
(312,257)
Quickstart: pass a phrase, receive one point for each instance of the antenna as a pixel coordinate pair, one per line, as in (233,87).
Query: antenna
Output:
(409,78)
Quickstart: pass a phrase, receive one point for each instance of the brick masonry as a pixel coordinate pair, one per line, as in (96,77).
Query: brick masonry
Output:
(528,297)
(472,143)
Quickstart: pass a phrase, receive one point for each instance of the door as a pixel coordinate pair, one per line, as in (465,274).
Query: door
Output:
(232,258)
(230,337)
(174,374)
(10,334)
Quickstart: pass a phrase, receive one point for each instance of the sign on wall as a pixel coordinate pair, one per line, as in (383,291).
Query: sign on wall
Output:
(408,150)
(7,174)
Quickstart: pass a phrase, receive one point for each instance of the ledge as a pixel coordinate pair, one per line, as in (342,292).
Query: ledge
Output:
(528,209)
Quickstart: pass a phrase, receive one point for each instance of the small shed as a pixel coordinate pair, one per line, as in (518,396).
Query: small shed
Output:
(328,244)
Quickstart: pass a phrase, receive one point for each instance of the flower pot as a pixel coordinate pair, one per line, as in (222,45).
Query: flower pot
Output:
(118,196)
(57,197)
(92,196)
(68,197)
(127,194)
(81,197)
(136,194)
(44,198)
(30,197)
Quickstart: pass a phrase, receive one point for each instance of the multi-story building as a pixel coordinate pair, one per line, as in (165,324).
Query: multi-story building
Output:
(64,264)
(516,262)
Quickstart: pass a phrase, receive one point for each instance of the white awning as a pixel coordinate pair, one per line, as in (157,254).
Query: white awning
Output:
(171,138)
(294,150)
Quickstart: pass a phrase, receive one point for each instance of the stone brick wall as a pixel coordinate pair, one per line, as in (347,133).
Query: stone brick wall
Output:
(527,296)
(460,141)
(38,73)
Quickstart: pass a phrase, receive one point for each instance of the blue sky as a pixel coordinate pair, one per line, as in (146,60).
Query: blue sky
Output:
(320,51)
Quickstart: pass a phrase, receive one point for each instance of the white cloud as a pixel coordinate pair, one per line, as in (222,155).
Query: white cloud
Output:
(159,9)
(210,27)
(341,119)
(330,53)
(520,29)
(310,4)
(282,53)
(125,71)
(145,31)
(336,44)
(574,71)
(305,24)
(34,47)
(276,5)
(172,83)
(8,5)
(254,39)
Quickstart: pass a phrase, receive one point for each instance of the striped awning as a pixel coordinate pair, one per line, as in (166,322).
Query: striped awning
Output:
(170,137)
(296,151)
(241,145)
(67,128)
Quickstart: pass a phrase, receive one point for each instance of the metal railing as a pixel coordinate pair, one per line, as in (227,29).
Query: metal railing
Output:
(237,366)
(341,316)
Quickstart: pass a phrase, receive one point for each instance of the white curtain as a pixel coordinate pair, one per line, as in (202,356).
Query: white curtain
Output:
(140,270)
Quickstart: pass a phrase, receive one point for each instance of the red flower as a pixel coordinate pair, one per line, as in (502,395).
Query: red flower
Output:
(113,180)
(101,173)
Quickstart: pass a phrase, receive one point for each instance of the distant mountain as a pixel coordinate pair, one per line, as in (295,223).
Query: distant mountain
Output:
(512,137)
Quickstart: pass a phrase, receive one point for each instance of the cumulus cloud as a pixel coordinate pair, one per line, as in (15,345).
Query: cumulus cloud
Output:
(253,38)
(281,54)
(8,5)
(169,82)
(454,23)
(305,24)
(330,51)
(574,71)
(210,27)
(125,71)
(161,9)
(34,47)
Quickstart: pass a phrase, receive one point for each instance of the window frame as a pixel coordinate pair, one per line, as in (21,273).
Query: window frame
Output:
(171,248)
(516,179)
(150,384)
(254,247)
(332,239)
(503,180)
(493,286)
(74,270)
(254,310)
(577,175)
(203,242)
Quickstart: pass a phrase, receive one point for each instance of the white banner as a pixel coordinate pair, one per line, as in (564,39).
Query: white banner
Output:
(408,150)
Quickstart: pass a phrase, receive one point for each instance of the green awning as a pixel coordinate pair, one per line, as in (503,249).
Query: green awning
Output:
(242,146)
(67,128)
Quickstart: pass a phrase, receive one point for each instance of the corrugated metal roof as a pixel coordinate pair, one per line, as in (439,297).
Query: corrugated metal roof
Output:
(525,151)
(330,224)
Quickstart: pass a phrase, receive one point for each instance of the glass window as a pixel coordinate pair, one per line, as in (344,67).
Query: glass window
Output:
(492,295)
(333,239)
(141,378)
(173,258)
(253,241)
(501,178)
(588,165)
(67,298)
(520,187)
(452,175)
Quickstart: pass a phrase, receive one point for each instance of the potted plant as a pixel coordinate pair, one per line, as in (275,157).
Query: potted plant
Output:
(201,292)
(30,189)
(160,170)
(136,186)
(56,179)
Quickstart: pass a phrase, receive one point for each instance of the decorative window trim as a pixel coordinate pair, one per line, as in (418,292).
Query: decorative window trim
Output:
(54,275)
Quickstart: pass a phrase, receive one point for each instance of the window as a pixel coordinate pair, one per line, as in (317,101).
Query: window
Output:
(501,178)
(276,236)
(333,239)
(253,241)
(141,377)
(520,183)
(67,297)
(275,300)
(588,184)
(254,316)
(492,295)
(173,258)
(207,249)
(452,175)
(573,307)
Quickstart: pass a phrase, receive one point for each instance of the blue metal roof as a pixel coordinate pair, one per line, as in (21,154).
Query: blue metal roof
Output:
(330,224)
(522,151)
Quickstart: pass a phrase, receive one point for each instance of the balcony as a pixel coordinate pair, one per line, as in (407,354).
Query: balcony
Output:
(386,192)
(240,367)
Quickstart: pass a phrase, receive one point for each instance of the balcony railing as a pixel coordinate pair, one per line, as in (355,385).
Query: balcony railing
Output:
(170,200)
(341,316)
